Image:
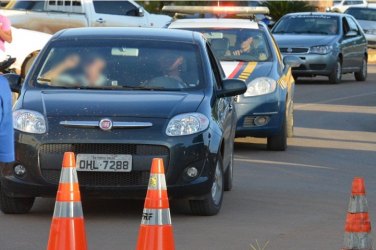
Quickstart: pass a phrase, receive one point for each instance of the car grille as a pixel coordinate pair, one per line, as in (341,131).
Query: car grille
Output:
(294,50)
(104,149)
(317,66)
(103,179)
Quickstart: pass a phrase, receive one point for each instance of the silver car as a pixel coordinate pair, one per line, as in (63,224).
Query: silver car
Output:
(329,44)
(366,17)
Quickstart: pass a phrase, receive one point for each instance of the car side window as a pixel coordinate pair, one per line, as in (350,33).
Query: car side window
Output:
(217,73)
(352,25)
(121,8)
(345,26)
(65,6)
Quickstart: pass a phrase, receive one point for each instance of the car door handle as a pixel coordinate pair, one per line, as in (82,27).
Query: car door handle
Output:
(230,107)
(100,20)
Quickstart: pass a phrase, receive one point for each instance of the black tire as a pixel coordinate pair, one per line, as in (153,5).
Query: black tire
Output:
(336,75)
(229,174)
(290,120)
(361,76)
(207,206)
(279,142)
(11,205)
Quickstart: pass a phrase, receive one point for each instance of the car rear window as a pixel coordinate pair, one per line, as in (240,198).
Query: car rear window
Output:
(362,14)
(121,64)
(308,24)
(229,44)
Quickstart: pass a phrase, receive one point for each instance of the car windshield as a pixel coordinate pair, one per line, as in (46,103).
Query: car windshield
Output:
(308,24)
(121,64)
(362,13)
(237,44)
(336,2)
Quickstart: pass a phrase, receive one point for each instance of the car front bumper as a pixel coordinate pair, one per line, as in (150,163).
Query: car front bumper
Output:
(371,39)
(42,158)
(248,109)
(315,64)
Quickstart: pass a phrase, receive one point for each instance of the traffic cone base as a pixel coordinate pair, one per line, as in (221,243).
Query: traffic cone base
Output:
(357,241)
(71,233)
(156,238)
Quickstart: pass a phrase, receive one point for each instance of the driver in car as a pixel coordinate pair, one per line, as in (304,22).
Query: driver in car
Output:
(172,65)
(91,75)
(245,47)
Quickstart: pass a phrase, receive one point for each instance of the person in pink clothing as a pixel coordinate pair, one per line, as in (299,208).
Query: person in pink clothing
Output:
(5,36)
(5,32)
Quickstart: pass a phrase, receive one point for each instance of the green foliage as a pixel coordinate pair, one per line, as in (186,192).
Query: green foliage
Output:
(280,8)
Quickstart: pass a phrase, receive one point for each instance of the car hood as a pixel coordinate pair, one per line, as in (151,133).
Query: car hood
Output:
(367,25)
(111,103)
(247,71)
(293,40)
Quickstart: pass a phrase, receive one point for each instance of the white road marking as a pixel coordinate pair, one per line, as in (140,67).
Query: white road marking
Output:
(282,164)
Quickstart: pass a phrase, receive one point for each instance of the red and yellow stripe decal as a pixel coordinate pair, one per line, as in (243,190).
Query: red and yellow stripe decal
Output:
(243,70)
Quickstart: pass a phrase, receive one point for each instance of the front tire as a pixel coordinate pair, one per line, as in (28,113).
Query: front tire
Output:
(229,174)
(279,142)
(212,202)
(12,205)
(361,76)
(290,120)
(336,75)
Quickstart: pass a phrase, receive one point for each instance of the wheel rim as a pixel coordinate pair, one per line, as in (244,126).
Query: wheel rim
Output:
(339,73)
(217,189)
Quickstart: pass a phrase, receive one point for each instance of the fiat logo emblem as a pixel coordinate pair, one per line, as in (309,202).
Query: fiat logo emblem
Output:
(289,50)
(105,124)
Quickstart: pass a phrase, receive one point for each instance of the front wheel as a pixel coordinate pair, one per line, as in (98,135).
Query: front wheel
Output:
(12,205)
(336,75)
(212,202)
(229,174)
(290,120)
(279,142)
(361,76)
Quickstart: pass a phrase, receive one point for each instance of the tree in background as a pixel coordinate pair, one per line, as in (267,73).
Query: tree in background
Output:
(280,8)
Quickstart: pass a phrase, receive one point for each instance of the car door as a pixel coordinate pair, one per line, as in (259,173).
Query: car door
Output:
(119,13)
(358,43)
(224,109)
(346,46)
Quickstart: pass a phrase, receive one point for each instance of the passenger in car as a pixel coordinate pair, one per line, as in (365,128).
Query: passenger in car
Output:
(91,72)
(171,78)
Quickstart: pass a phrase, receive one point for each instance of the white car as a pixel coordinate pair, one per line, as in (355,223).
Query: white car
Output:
(342,5)
(25,46)
(366,17)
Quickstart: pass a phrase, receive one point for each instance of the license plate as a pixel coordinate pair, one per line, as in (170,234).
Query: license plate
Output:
(104,163)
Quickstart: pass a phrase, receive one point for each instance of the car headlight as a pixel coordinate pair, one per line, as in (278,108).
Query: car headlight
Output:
(29,121)
(260,86)
(187,124)
(321,49)
(371,32)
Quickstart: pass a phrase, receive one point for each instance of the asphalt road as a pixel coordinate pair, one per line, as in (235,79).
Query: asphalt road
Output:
(293,200)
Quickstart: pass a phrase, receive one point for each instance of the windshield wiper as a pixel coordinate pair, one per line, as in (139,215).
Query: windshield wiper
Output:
(147,88)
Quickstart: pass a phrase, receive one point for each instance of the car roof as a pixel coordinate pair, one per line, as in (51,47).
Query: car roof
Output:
(369,6)
(214,22)
(317,14)
(130,33)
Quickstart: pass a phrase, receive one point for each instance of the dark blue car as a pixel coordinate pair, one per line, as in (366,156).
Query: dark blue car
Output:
(118,98)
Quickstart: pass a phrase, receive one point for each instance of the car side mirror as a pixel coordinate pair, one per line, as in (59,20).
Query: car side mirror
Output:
(140,12)
(14,82)
(292,61)
(351,33)
(232,87)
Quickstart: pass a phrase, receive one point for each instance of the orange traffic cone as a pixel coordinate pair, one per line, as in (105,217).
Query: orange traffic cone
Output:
(156,231)
(358,225)
(67,227)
